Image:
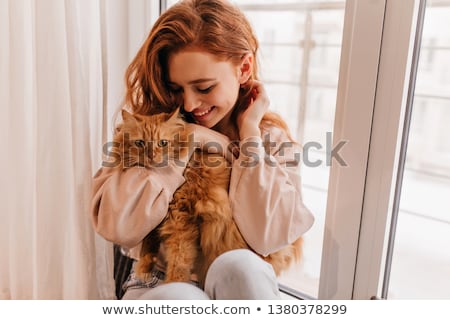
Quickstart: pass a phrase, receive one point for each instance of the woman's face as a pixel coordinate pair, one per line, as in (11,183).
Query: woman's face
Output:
(209,87)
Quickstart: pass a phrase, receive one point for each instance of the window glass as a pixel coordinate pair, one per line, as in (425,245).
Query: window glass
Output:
(421,257)
(299,62)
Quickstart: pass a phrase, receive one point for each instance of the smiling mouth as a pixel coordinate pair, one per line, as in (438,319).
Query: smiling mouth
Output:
(200,114)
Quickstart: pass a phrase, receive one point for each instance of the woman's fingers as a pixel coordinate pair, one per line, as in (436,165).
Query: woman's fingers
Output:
(258,91)
(211,141)
(249,120)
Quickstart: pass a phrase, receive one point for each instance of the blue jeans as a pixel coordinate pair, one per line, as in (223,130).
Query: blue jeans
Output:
(237,275)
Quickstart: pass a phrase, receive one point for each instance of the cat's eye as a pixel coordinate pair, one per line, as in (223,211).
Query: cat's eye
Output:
(163,143)
(140,143)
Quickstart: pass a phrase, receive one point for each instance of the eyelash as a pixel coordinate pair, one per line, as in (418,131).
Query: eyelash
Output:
(207,90)
(202,91)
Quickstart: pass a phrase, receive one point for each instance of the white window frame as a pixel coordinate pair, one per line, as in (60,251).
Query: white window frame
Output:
(375,65)
(373,85)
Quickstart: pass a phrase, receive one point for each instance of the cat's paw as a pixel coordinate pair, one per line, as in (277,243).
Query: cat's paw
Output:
(179,275)
(146,277)
(145,265)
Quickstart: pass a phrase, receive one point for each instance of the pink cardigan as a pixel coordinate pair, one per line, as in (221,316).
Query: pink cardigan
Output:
(265,195)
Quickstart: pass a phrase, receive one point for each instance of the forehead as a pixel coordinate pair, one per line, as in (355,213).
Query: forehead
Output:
(190,65)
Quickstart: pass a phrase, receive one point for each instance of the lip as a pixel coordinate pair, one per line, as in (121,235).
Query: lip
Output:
(202,115)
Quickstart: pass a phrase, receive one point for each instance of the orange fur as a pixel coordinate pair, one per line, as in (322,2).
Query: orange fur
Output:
(199,225)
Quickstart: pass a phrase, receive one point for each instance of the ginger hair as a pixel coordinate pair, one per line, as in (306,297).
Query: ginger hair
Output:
(216,26)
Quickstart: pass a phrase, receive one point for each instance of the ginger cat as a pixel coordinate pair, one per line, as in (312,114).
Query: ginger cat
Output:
(199,224)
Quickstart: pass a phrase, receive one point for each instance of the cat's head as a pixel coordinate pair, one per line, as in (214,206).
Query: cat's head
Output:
(149,141)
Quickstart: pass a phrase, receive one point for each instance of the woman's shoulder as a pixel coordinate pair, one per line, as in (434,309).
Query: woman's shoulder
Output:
(274,132)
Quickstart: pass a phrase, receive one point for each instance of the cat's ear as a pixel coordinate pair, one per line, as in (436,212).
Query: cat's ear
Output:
(175,117)
(130,119)
(126,116)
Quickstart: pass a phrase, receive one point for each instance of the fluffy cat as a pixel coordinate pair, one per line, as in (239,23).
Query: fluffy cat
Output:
(199,225)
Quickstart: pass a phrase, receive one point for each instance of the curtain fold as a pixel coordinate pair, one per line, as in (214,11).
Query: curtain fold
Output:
(59,86)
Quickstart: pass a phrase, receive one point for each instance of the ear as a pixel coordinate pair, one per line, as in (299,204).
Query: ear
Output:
(245,68)
(126,116)
(130,120)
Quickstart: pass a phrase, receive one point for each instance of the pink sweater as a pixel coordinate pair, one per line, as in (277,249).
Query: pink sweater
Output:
(265,196)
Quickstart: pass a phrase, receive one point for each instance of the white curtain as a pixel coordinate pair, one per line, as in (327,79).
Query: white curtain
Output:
(61,80)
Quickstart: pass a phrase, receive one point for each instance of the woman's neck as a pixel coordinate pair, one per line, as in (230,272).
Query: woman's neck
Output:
(228,128)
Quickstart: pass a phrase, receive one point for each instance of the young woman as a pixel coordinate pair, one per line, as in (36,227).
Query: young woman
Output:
(201,54)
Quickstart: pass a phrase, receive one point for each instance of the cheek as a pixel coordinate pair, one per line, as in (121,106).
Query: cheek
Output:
(233,96)
(227,96)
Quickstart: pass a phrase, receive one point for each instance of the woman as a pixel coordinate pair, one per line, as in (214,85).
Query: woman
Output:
(201,54)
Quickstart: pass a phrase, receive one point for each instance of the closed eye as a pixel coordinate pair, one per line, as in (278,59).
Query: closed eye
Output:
(206,90)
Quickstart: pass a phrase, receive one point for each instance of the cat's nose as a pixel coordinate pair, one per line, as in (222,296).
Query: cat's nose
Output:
(150,154)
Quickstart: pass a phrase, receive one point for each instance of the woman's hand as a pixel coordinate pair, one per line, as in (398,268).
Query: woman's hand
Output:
(210,141)
(248,121)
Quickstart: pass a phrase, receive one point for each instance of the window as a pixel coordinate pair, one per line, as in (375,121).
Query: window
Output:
(299,61)
(350,72)
(420,256)
(299,64)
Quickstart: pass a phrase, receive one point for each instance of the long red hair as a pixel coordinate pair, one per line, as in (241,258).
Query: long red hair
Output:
(216,26)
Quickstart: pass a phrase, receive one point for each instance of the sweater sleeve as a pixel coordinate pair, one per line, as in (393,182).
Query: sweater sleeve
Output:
(265,192)
(127,204)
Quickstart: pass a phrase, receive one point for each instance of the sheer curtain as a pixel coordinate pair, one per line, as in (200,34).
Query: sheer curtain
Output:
(61,79)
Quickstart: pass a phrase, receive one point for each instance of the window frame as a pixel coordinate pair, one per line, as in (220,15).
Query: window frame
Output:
(376,59)
(362,194)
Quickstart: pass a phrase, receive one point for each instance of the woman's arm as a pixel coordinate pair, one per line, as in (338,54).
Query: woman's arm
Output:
(128,204)
(265,192)
(265,187)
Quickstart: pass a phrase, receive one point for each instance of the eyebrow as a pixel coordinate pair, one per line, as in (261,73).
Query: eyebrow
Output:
(201,80)
(196,81)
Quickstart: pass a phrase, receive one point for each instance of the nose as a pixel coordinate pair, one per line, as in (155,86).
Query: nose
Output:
(191,101)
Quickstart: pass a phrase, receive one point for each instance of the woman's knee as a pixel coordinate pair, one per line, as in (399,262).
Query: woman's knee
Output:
(174,291)
(241,274)
(240,263)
